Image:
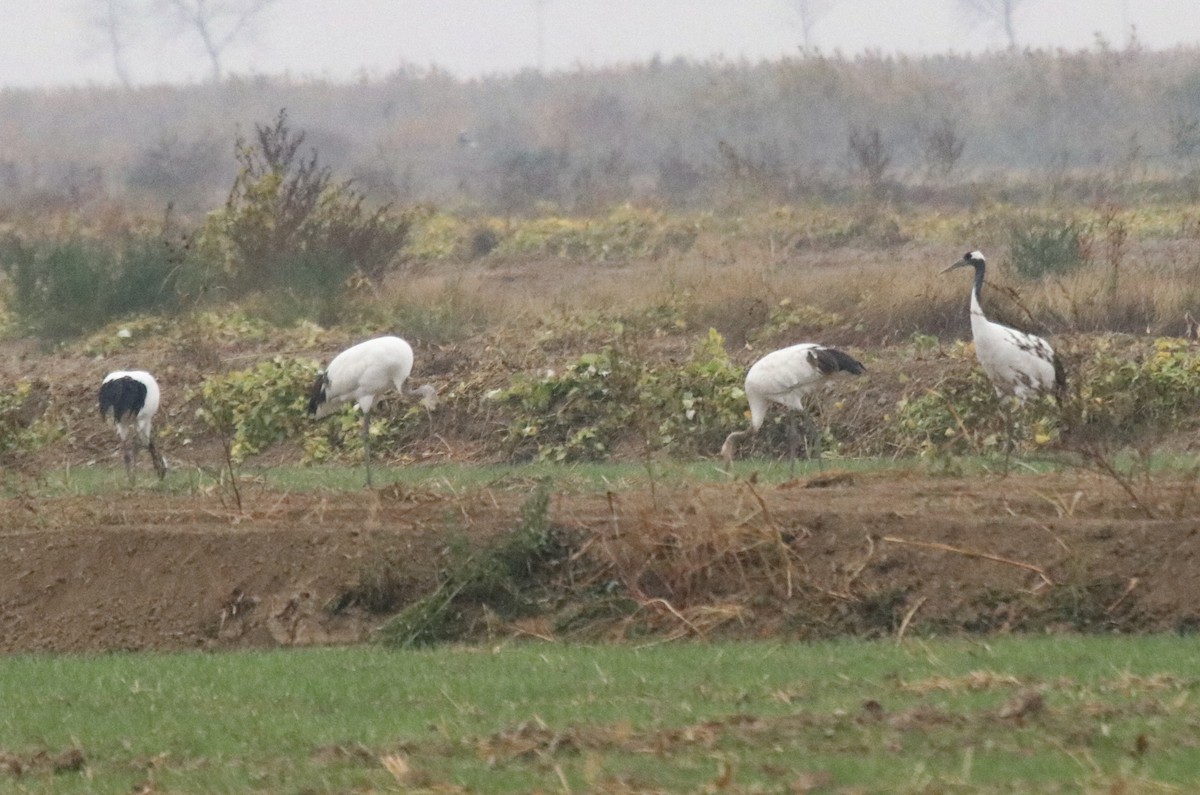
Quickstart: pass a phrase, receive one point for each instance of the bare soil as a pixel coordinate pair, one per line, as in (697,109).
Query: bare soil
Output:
(865,554)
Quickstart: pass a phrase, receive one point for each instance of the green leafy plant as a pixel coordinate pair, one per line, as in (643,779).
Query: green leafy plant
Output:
(1039,247)
(1127,392)
(603,398)
(575,415)
(258,407)
(24,426)
(786,315)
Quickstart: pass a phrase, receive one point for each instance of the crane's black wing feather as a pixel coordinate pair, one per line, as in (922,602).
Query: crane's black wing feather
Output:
(831,360)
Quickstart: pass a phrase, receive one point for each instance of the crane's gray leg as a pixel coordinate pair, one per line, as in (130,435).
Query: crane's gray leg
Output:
(1008,432)
(794,445)
(366,439)
(129,452)
(160,466)
(812,440)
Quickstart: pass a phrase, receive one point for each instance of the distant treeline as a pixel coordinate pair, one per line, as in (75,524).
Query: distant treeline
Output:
(681,133)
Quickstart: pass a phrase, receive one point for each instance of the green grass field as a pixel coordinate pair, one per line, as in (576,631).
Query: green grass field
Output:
(1061,714)
(570,478)
(452,478)
(458,479)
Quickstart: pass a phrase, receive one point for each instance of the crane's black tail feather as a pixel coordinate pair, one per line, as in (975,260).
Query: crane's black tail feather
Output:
(317,394)
(123,397)
(831,360)
(1060,381)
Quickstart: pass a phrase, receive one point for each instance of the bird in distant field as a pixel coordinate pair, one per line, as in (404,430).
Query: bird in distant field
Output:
(360,374)
(785,376)
(1020,365)
(130,398)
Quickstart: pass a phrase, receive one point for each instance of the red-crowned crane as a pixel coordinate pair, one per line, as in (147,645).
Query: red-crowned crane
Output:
(360,374)
(785,377)
(131,398)
(1021,366)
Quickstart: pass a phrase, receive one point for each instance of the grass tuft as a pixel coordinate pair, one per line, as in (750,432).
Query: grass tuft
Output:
(505,580)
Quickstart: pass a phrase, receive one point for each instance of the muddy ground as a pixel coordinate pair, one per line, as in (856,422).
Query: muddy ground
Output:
(875,554)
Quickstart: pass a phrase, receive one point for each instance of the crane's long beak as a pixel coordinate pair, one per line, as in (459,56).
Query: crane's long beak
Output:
(962,263)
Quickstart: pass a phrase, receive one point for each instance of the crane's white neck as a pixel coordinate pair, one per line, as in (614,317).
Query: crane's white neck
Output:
(976,307)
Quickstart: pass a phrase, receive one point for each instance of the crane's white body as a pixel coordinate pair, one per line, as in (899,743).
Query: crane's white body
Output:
(131,398)
(785,377)
(1018,364)
(360,374)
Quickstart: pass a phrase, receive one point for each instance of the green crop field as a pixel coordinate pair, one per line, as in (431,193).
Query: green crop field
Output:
(1048,714)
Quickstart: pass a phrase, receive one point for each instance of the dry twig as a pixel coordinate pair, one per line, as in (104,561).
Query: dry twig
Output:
(1133,583)
(970,553)
(912,611)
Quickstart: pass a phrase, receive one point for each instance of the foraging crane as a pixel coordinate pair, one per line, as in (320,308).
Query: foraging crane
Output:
(131,397)
(360,374)
(1021,366)
(785,377)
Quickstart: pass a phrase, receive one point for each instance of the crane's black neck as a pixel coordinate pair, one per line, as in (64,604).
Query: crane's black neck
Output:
(979,268)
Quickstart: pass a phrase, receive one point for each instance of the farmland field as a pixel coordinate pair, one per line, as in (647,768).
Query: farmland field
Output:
(555,584)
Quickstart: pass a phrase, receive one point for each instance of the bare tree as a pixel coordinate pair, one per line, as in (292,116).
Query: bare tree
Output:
(870,156)
(217,23)
(943,147)
(810,13)
(994,12)
(113,21)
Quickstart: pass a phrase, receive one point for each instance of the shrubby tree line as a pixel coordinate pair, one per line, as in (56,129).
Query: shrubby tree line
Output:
(683,134)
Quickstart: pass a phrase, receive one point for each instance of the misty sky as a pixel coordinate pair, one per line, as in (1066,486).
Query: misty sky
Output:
(49,43)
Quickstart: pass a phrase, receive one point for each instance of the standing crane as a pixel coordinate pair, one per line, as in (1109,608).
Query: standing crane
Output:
(131,398)
(360,374)
(1020,365)
(785,376)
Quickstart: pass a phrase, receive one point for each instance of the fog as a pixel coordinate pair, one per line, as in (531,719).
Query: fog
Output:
(52,44)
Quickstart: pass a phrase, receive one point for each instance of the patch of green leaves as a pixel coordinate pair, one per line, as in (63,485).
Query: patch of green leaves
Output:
(581,413)
(260,406)
(627,232)
(1129,390)
(786,316)
(24,426)
(395,422)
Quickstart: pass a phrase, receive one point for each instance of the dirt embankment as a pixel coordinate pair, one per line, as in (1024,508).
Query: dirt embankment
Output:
(866,554)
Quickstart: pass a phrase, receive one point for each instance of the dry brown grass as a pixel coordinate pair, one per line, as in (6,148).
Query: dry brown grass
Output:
(841,296)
